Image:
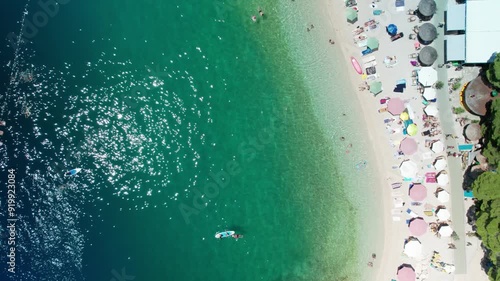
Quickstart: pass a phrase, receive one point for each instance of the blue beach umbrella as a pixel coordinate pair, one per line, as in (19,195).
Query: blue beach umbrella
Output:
(392,29)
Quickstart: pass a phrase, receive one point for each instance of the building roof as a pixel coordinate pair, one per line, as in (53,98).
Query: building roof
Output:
(455,48)
(477,95)
(482,30)
(455,17)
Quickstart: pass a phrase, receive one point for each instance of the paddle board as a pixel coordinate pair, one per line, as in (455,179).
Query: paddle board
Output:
(224,234)
(356,65)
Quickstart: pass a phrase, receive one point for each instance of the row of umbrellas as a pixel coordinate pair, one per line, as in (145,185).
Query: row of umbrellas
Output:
(409,146)
(409,169)
(427,77)
(418,226)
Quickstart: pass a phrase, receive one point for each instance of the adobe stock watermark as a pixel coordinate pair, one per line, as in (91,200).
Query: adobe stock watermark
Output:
(121,276)
(247,152)
(47,9)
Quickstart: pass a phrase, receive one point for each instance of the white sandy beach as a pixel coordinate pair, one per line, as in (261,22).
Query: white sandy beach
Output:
(385,143)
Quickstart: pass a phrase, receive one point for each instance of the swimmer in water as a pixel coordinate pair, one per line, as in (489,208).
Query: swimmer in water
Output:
(254,18)
(261,13)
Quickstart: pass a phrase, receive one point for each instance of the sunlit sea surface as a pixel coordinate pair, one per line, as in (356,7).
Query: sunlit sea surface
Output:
(187,118)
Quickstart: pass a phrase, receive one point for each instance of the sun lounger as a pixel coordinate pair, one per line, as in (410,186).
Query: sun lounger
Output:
(411,213)
(369,59)
(396,185)
(397,36)
(396,211)
(396,218)
(398,202)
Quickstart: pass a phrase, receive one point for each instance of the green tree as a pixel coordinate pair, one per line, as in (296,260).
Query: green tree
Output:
(491,132)
(486,190)
(493,72)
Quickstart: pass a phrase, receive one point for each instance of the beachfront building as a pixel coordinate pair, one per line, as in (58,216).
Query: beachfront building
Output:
(473,33)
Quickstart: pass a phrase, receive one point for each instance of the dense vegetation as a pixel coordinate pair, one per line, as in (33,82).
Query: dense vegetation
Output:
(491,132)
(486,189)
(493,72)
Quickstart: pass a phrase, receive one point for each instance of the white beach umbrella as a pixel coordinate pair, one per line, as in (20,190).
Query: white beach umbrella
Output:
(445,230)
(431,110)
(429,93)
(440,164)
(427,76)
(413,248)
(443,196)
(408,169)
(437,146)
(443,179)
(443,214)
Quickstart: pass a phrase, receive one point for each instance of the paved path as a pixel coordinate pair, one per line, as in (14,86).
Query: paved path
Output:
(454,164)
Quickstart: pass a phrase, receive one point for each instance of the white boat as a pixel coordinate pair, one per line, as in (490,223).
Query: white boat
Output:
(73,172)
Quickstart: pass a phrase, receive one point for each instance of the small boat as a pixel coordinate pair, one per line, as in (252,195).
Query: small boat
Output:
(224,234)
(356,65)
(73,172)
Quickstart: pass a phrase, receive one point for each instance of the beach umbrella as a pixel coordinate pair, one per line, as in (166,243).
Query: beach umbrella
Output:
(445,230)
(392,29)
(418,192)
(442,179)
(408,169)
(431,110)
(413,248)
(427,56)
(427,32)
(412,129)
(473,132)
(395,106)
(443,196)
(443,214)
(376,87)
(417,226)
(408,146)
(372,43)
(351,15)
(404,116)
(437,146)
(440,164)
(429,93)
(406,273)
(427,76)
(427,8)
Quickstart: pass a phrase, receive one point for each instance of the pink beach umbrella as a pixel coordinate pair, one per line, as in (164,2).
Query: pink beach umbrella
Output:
(406,273)
(418,192)
(408,146)
(395,106)
(417,226)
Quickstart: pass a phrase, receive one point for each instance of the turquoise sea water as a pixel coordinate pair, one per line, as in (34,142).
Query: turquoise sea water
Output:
(187,118)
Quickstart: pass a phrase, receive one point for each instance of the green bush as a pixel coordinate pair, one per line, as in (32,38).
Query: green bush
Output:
(486,190)
(491,133)
(493,72)
(439,85)
(456,86)
(458,110)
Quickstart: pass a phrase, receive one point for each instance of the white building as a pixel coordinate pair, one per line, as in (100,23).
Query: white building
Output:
(477,32)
